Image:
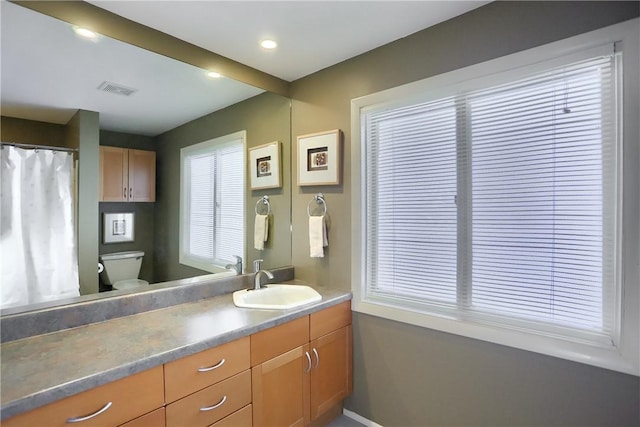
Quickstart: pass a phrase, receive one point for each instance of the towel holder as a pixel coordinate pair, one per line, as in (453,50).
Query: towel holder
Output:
(318,199)
(265,201)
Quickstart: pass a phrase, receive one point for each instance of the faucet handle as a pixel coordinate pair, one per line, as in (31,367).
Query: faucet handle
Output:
(256,265)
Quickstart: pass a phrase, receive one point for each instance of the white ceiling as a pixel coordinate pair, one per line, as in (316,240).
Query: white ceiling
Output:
(47,72)
(311,35)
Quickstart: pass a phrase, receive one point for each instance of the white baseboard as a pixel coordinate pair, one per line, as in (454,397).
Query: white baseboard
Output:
(362,420)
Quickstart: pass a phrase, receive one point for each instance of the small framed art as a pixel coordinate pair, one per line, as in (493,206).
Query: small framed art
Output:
(118,227)
(264,166)
(319,158)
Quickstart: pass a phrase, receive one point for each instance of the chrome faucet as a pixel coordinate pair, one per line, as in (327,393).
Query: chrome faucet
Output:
(237,266)
(259,273)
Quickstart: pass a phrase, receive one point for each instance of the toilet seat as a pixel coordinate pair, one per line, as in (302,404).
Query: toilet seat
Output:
(129,284)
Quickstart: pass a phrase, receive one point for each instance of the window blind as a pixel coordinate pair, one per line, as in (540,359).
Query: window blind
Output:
(214,200)
(490,204)
(201,172)
(230,208)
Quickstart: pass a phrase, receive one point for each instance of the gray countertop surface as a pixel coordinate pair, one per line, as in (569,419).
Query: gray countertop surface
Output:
(41,369)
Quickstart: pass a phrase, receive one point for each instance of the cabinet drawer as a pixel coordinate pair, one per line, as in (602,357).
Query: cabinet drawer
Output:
(215,402)
(271,342)
(241,418)
(130,397)
(195,372)
(330,319)
(152,419)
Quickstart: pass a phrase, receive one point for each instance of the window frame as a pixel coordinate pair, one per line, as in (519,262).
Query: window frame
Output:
(621,355)
(184,257)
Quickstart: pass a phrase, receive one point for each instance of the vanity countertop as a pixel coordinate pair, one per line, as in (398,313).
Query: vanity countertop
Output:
(41,369)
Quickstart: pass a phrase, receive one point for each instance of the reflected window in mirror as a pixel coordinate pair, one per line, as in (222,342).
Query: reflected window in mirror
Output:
(212,202)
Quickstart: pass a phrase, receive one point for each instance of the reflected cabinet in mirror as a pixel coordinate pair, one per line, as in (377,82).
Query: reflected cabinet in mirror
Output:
(173,105)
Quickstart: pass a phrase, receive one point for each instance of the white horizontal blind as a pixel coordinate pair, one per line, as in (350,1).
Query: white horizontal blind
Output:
(214,203)
(538,149)
(230,208)
(412,169)
(490,204)
(201,170)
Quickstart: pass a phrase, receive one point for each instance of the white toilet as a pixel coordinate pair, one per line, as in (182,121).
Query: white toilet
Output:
(121,269)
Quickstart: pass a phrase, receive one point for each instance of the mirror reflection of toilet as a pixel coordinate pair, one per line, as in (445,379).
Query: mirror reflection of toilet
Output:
(121,269)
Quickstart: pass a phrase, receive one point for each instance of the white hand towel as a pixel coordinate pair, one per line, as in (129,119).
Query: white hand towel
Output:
(317,236)
(260,231)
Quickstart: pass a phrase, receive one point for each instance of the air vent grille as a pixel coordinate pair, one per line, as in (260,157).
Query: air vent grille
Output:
(116,89)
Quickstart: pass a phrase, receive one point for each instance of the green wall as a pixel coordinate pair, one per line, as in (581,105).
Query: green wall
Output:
(32,132)
(412,376)
(266,118)
(83,133)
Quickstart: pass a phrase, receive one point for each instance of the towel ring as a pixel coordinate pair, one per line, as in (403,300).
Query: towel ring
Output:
(265,201)
(318,198)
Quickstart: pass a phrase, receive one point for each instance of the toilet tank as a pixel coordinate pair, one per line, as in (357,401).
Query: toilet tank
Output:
(121,266)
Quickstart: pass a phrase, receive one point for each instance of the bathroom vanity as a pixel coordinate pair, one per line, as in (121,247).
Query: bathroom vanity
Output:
(200,363)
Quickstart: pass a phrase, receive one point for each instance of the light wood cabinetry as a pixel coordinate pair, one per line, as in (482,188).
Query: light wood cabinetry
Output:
(294,374)
(192,373)
(152,419)
(211,404)
(127,175)
(208,386)
(307,379)
(123,399)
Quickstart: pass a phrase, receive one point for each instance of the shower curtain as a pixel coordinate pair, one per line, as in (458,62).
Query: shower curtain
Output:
(38,260)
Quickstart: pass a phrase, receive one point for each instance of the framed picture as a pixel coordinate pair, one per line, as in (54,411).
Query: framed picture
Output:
(118,227)
(319,160)
(264,166)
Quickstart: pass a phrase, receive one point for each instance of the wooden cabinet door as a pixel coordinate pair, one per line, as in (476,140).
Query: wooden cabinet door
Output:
(211,404)
(142,176)
(152,419)
(114,175)
(281,390)
(331,370)
(108,405)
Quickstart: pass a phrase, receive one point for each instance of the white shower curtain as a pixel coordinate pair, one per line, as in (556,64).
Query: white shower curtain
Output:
(38,260)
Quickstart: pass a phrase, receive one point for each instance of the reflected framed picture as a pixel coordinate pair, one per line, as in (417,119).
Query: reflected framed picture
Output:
(118,227)
(264,166)
(319,158)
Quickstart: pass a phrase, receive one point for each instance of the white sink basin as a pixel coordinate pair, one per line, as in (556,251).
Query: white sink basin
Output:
(276,297)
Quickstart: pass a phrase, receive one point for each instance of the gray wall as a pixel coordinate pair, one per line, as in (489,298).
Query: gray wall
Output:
(32,132)
(411,376)
(144,238)
(83,132)
(266,118)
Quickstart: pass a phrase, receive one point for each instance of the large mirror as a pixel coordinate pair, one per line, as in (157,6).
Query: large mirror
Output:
(200,109)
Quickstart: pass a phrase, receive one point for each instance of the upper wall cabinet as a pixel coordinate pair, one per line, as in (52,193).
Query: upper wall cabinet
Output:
(127,175)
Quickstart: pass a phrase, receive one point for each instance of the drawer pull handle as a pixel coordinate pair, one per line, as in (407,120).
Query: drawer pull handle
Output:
(317,357)
(88,417)
(217,405)
(211,368)
(306,353)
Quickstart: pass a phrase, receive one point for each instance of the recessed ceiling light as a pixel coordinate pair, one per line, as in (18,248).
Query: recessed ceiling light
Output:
(214,75)
(83,32)
(268,44)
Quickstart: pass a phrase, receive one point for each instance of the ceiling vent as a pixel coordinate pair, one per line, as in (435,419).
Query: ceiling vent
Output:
(116,89)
